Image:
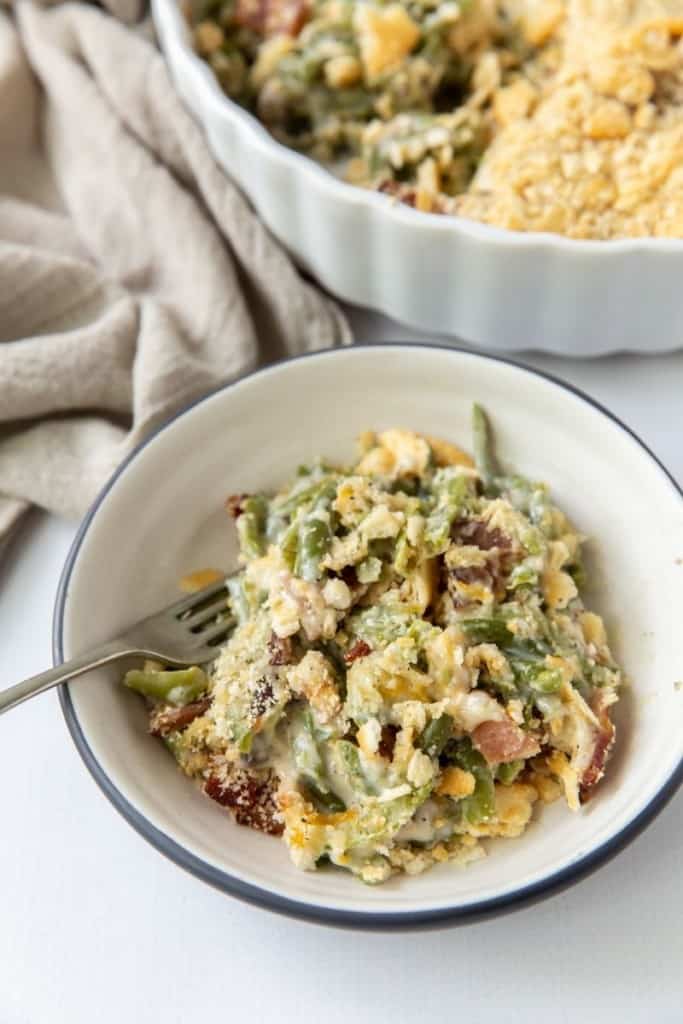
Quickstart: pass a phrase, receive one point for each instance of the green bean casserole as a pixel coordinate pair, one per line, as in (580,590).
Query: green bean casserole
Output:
(410,665)
(532,115)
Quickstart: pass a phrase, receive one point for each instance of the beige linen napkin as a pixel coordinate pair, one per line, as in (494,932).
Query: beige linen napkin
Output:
(133,275)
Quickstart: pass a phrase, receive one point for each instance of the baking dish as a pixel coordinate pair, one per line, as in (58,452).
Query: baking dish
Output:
(488,286)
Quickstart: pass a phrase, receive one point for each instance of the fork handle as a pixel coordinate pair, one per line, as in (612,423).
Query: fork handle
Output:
(62,673)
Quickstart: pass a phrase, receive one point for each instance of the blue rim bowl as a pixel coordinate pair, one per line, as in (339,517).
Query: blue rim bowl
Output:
(226,883)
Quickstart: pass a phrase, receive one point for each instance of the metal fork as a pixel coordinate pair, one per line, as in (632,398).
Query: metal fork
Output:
(185,633)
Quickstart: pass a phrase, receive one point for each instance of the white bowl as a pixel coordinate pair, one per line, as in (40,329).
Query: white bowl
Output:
(488,286)
(162,515)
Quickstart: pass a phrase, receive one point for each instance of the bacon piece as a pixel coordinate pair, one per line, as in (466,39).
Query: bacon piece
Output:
(489,575)
(167,720)
(596,768)
(280,650)
(503,741)
(472,574)
(272,17)
(250,797)
(359,650)
(387,741)
(479,535)
(235,504)
(475,533)
(604,741)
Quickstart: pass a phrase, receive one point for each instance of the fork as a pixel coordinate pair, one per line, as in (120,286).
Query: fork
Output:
(186,633)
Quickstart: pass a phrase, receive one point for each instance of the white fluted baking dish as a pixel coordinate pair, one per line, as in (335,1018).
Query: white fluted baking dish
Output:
(489,286)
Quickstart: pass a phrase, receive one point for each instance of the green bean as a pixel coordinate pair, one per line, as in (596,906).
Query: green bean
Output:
(379,625)
(289,545)
(506,686)
(527,658)
(420,630)
(436,735)
(304,746)
(450,485)
(239,604)
(315,537)
(451,498)
(276,527)
(314,532)
(522,576)
(335,655)
(245,742)
(251,526)
(538,678)
(487,631)
(347,756)
(483,447)
(531,651)
(377,823)
(325,489)
(452,491)
(404,555)
(324,800)
(508,771)
(172,743)
(496,631)
(481,804)
(308,760)
(178,687)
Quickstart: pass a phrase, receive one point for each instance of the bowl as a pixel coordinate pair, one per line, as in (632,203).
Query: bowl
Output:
(488,286)
(162,514)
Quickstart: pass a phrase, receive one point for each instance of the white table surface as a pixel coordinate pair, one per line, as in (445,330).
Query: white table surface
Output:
(96,926)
